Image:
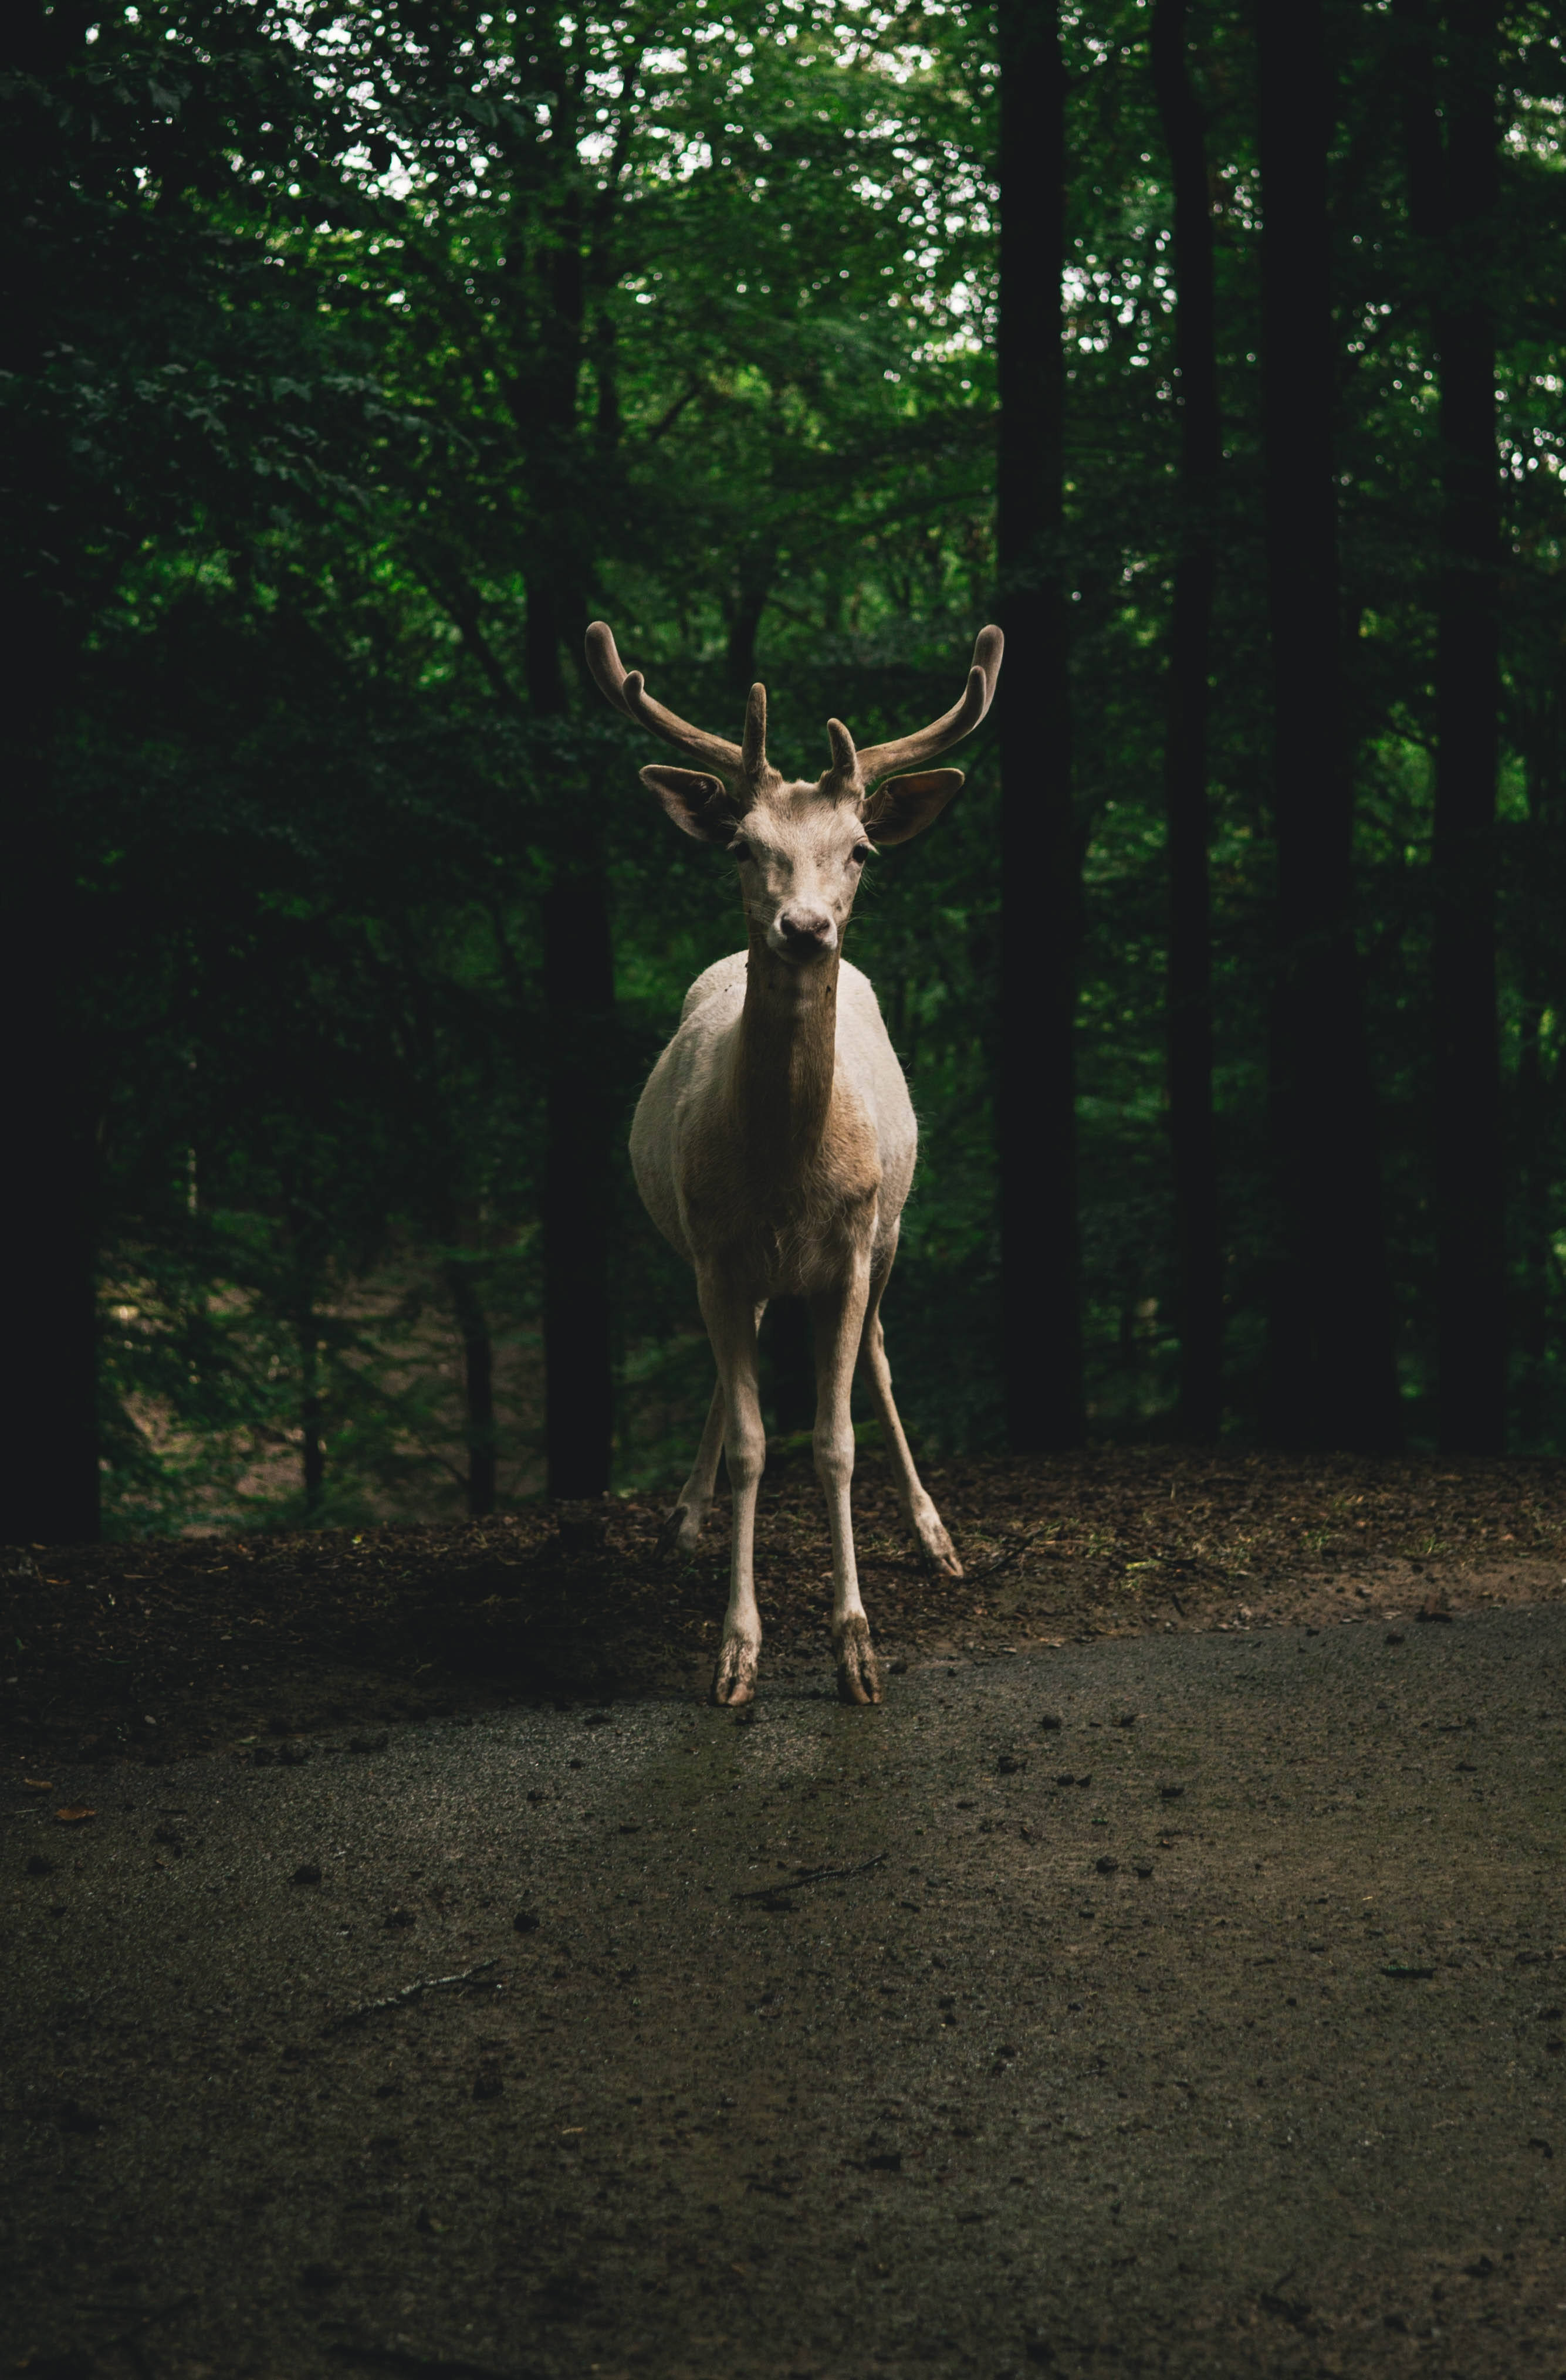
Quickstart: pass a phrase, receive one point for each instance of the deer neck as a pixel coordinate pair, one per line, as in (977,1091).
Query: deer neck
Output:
(786,1053)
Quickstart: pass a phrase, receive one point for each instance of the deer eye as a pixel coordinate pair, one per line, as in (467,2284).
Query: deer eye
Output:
(860,853)
(740,848)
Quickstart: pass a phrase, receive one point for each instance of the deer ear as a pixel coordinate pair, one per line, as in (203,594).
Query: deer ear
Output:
(904,806)
(700,805)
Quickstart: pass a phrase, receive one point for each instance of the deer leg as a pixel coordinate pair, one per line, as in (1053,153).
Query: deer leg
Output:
(839,1316)
(924,1522)
(731,1326)
(684,1524)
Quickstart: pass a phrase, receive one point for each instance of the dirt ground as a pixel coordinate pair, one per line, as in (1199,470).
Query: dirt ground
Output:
(152,1650)
(1181,2003)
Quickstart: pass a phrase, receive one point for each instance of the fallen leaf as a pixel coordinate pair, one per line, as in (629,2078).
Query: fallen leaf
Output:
(73,1816)
(38,1784)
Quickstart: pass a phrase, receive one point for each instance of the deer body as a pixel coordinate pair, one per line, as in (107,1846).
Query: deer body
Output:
(774,1137)
(774,1144)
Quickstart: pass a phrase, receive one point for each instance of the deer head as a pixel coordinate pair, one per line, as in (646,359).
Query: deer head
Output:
(801,845)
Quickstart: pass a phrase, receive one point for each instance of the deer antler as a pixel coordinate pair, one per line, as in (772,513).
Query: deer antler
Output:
(856,772)
(735,764)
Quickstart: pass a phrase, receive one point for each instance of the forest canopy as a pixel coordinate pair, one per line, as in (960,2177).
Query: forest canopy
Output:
(356,356)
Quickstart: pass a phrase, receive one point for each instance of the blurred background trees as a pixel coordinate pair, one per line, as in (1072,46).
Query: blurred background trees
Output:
(355,357)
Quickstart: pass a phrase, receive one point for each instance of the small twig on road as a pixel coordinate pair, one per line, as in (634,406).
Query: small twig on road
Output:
(427,2367)
(809,1875)
(408,1992)
(1013,1551)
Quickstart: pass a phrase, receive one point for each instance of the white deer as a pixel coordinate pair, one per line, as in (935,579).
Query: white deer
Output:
(774,1143)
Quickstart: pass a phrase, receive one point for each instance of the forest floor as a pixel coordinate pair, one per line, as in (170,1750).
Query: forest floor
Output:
(153,1649)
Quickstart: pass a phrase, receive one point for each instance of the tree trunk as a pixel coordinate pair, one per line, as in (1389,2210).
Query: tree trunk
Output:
(579,1076)
(1535,905)
(1330,1352)
(49,1399)
(479,1387)
(578,953)
(312,1443)
(1535,1138)
(743,611)
(1186,751)
(579,1165)
(1040,846)
(49,1416)
(50,1091)
(1470,1182)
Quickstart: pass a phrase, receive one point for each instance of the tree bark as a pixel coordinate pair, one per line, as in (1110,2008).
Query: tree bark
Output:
(578,989)
(578,952)
(1453,188)
(743,610)
(479,1387)
(1331,1352)
(1191,1137)
(1534,1137)
(49,1475)
(49,1085)
(1040,844)
(1470,1182)
(312,1443)
(1537,897)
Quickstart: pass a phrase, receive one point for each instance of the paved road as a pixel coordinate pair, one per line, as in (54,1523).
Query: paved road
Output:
(1239,2053)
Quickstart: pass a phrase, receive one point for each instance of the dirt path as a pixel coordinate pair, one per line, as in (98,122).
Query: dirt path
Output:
(152,1650)
(1238,2053)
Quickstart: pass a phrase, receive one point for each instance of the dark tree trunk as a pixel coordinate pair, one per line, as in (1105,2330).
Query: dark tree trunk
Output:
(1454,185)
(1535,1138)
(479,1387)
(1470,1182)
(49,1084)
(1186,751)
(579,993)
(1535,905)
(48,1415)
(580,1072)
(312,1443)
(1330,1352)
(578,953)
(744,610)
(1040,844)
(48,1402)
(579,1165)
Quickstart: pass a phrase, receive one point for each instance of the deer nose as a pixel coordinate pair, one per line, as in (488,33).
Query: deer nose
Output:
(806,929)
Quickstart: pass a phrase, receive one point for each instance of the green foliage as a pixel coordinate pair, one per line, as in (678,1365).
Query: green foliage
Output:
(346,331)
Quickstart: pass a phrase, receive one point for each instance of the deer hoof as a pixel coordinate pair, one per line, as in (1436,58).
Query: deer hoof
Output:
(679,1531)
(936,1549)
(734,1680)
(858,1679)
